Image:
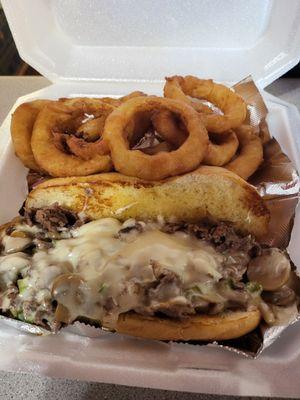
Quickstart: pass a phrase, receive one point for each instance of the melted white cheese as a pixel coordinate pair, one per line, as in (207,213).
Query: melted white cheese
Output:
(11,265)
(108,269)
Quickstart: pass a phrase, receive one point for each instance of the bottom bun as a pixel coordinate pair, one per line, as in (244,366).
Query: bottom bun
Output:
(229,325)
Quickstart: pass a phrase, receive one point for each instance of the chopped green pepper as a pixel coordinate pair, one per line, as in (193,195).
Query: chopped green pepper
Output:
(102,288)
(22,285)
(254,287)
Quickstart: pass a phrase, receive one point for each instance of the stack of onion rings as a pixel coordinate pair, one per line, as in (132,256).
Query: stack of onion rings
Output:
(83,142)
(163,164)
(144,136)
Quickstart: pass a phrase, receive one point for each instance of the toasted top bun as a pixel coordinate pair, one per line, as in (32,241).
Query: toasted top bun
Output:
(229,325)
(208,192)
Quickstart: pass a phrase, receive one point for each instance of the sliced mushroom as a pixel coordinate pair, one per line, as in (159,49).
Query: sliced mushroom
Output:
(11,266)
(266,313)
(13,244)
(67,291)
(271,269)
(294,282)
(281,297)
(19,234)
(215,308)
(62,314)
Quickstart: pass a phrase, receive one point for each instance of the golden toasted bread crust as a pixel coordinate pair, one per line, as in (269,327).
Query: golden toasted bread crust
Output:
(208,192)
(225,326)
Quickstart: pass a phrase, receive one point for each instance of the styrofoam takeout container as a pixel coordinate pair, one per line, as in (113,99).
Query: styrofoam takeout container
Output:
(101,48)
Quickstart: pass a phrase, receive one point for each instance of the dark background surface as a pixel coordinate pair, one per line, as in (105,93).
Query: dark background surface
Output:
(11,63)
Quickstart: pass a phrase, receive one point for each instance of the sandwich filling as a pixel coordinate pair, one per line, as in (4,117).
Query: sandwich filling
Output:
(54,271)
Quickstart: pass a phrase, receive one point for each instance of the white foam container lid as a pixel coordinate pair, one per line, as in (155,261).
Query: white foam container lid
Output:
(109,48)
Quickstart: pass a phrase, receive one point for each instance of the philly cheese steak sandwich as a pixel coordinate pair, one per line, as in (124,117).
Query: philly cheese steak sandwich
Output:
(178,259)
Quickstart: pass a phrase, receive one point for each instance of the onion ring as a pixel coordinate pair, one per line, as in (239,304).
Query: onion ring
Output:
(25,115)
(230,103)
(92,129)
(221,148)
(88,140)
(51,157)
(170,126)
(89,131)
(21,129)
(85,150)
(250,154)
(173,90)
(161,165)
